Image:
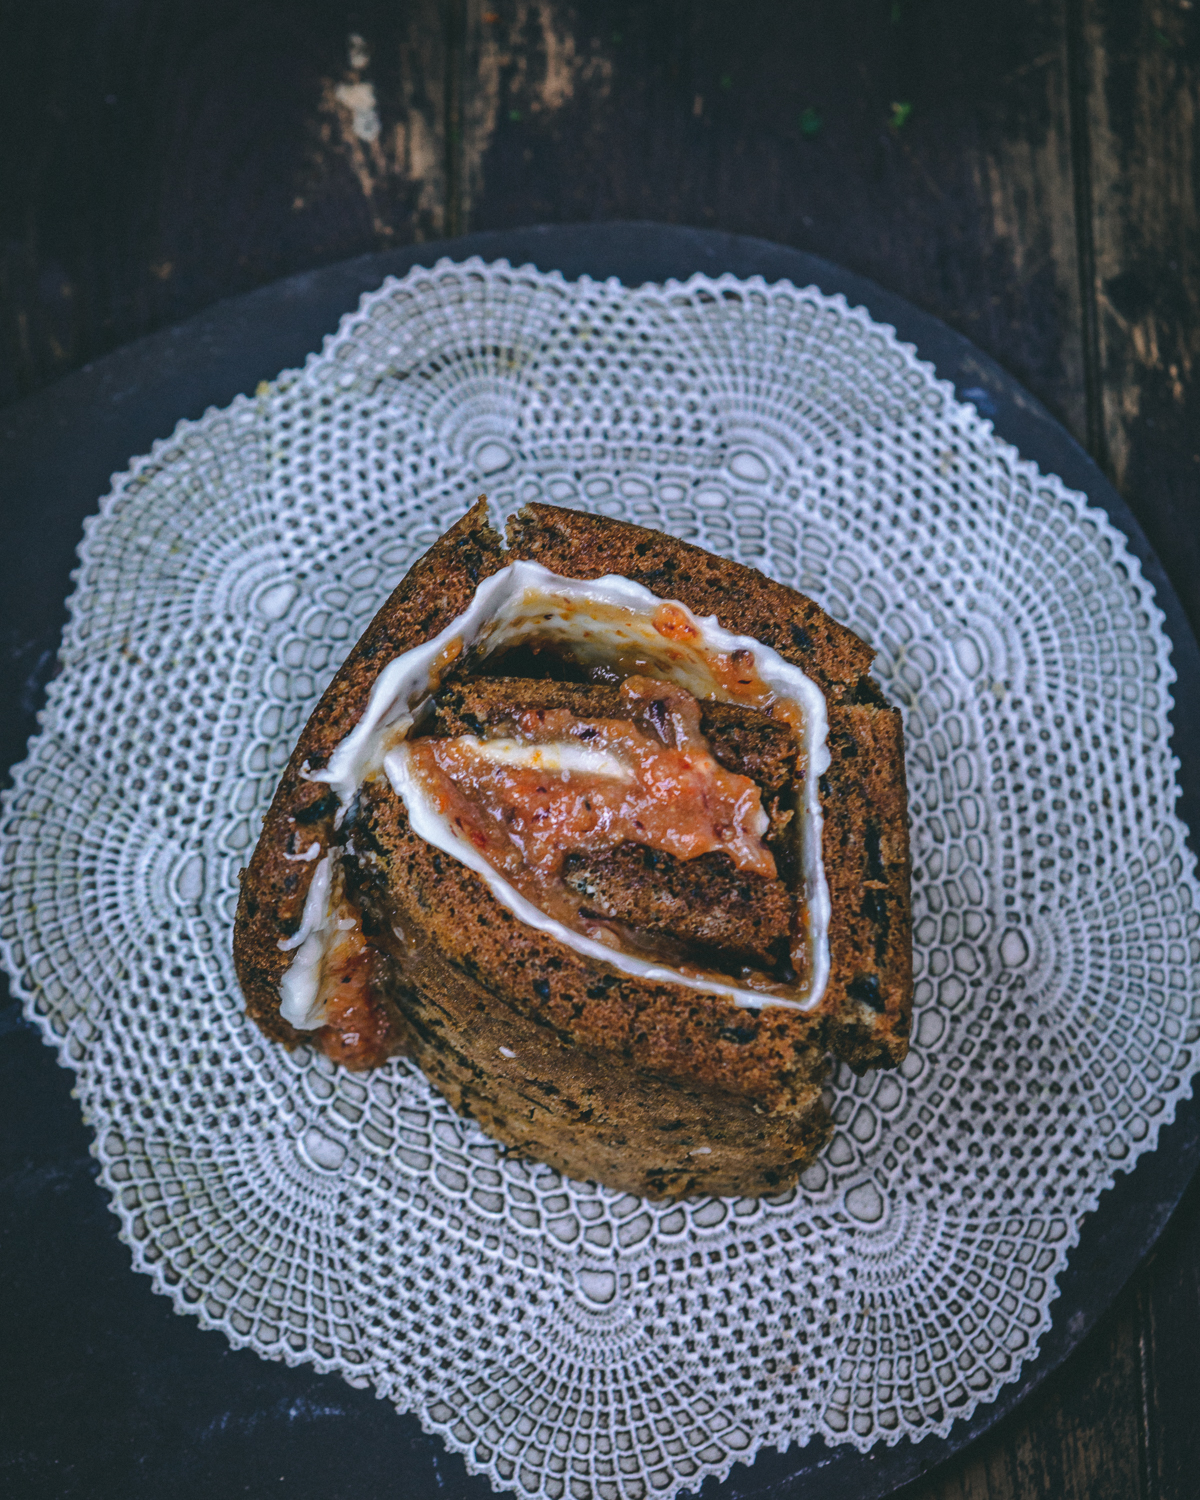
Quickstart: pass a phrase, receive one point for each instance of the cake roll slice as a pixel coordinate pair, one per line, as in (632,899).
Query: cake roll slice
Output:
(734,917)
(609,836)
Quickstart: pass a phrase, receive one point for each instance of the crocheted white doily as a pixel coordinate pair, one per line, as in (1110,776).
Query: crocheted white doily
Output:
(568,1340)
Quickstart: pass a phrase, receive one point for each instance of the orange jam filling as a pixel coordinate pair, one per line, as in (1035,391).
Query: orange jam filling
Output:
(735,673)
(355,1030)
(546,783)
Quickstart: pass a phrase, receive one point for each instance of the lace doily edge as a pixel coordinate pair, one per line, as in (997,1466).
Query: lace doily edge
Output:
(963,414)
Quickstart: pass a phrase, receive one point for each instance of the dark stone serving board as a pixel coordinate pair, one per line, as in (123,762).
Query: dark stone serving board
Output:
(113,1394)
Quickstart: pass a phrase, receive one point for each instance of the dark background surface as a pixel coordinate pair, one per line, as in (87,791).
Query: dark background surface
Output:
(1026,171)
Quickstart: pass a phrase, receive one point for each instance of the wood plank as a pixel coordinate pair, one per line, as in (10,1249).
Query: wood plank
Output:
(173,155)
(1141,82)
(1079,1438)
(1143,67)
(925,145)
(1119,1419)
(1168,1294)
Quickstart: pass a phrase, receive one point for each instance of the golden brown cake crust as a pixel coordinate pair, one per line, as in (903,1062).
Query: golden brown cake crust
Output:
(468,978)
(744,600)
(436,590)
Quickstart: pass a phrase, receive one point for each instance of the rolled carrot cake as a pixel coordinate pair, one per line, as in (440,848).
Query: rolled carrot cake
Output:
(609,835)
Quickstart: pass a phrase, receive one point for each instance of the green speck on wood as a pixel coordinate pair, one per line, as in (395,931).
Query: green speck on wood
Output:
(515,116)
(1163,40)
(900,113)
(726,82)
(810,123)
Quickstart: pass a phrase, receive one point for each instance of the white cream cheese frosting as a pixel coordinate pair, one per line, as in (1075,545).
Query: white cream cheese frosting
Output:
(598,620)
(301,982)
(555,757)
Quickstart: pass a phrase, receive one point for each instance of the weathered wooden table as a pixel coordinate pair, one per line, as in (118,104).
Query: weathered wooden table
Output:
(1026,171)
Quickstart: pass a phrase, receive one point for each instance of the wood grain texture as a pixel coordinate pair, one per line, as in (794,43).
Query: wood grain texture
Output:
(1167,1296)
(1080,1438)
(1143,89)
(159,156)
(924,145)
(1119,1419)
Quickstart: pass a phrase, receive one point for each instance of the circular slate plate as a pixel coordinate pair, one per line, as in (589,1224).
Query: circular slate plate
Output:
(120,1397)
